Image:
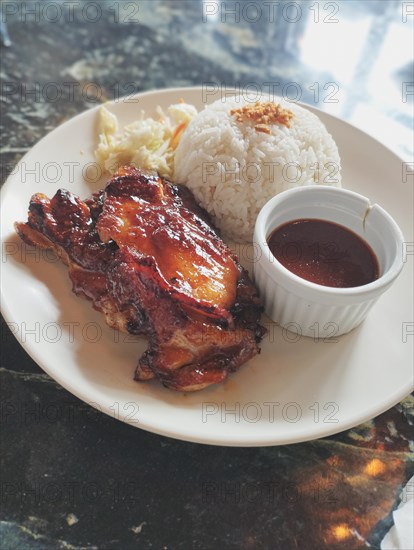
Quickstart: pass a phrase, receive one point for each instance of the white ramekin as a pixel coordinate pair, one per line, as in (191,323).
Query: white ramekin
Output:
(297,304)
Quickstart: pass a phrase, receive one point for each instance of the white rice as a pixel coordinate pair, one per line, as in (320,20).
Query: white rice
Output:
(233,170)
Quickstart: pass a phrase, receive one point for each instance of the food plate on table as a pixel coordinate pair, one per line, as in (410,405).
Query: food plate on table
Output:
(299,388)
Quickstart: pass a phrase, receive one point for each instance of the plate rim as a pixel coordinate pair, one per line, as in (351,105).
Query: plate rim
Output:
(32,351)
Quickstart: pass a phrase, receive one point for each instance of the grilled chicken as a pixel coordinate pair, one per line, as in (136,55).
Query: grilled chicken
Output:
(147,256)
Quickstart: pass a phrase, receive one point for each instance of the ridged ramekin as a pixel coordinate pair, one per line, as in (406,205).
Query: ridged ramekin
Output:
(308,308)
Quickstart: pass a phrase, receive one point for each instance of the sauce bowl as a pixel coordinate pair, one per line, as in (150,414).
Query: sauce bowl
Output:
(312,309)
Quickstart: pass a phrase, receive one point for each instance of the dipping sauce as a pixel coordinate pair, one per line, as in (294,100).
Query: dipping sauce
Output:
(324,253)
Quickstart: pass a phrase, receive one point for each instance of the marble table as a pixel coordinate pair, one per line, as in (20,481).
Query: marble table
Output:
(75,478)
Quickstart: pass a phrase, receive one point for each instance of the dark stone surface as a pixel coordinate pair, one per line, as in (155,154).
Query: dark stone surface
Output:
(61,457)
(75,478)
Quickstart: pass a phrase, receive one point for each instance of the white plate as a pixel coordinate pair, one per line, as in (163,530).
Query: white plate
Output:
(294,391)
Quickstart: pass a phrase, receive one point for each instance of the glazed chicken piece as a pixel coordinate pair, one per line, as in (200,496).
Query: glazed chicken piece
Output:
(67,225)
(149,259)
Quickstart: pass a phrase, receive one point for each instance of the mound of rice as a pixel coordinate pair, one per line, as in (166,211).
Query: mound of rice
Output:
(234,167)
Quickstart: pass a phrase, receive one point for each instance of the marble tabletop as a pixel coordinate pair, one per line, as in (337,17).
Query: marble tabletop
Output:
(74,478)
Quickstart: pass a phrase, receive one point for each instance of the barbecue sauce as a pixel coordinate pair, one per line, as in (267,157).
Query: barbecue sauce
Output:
(324,253)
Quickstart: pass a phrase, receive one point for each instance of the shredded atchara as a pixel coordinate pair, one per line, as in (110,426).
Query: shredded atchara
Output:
(146,142)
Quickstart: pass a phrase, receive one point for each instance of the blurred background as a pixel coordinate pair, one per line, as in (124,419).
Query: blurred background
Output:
(351,58)
(74,478)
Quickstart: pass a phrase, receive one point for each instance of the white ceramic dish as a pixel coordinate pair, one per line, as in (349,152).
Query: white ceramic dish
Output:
(294,391)
(302,306)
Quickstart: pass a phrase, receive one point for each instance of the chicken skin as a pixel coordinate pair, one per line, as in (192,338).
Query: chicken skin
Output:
(148,258)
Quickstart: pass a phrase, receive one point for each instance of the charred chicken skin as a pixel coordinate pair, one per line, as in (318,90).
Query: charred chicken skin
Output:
(148,258)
